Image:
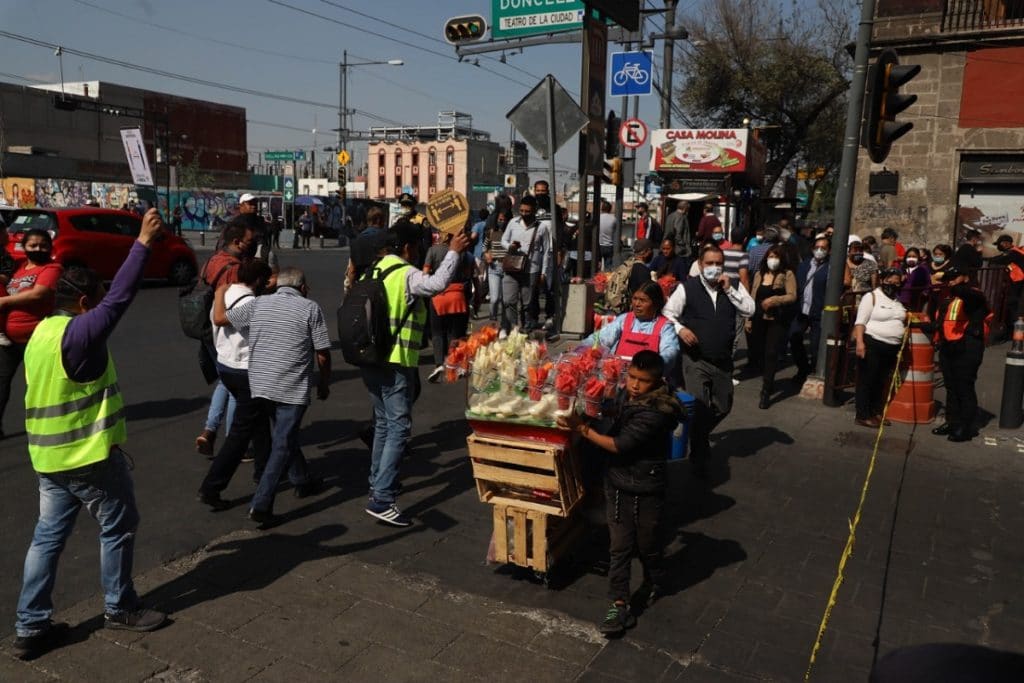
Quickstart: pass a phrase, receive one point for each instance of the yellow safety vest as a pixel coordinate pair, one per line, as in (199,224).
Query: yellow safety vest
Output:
(69,424)
(406,350)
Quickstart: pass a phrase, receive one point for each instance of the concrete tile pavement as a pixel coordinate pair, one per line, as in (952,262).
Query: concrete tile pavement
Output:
(754,554)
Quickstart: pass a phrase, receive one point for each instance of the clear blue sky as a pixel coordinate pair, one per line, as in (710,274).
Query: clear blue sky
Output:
(265,46)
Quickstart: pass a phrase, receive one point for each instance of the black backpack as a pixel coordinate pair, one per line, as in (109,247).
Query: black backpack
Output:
(364,329)
(194,304)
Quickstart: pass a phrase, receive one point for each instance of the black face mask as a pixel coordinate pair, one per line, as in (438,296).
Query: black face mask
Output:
(38,257)
(857,258)
(891,290)
(527,218)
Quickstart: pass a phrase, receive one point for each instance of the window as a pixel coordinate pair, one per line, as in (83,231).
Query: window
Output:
(432,157)
(450,156)
(415,157)
(382,161)
(111,224)
(449,182)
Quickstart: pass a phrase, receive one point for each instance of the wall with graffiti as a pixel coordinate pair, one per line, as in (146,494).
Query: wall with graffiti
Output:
(199,208)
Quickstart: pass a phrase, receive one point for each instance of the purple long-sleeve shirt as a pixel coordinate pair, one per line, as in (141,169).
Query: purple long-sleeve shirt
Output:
(84,347)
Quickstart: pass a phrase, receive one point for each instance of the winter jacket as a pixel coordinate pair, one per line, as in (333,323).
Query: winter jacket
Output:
(642,432)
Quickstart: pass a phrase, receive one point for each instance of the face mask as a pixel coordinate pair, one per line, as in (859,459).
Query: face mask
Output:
(891,290)
(712,273)
(406,210)
(938,259)
(820,254)
(38,257)
(718,236)
(527,218)
(773,263)
(911,261)
(857,258)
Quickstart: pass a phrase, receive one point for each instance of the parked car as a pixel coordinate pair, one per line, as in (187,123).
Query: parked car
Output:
(101,240)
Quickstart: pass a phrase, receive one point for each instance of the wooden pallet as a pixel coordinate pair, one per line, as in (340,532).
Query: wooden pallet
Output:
(528,538)
(547,478)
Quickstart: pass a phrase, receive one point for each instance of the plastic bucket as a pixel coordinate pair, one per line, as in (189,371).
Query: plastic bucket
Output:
(681,434)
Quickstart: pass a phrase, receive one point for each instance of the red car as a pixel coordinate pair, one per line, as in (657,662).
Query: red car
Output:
(101,239)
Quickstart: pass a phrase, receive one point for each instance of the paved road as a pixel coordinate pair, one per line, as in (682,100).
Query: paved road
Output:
(754,553)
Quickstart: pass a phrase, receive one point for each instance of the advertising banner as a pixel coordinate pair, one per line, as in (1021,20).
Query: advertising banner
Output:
(705,150)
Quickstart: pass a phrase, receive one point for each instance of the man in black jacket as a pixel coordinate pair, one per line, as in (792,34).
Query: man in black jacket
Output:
(637,445)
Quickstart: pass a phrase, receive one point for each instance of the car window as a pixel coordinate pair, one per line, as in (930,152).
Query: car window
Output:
(21,222)
(129,226)
(89,222)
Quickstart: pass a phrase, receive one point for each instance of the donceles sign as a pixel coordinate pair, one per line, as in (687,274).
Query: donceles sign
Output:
(707,150)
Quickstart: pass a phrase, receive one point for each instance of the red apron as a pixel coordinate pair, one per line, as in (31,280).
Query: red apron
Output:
(451,300)
(631,343)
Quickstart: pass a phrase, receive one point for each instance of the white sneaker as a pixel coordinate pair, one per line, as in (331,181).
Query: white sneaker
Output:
(4,341)
(436,374)
(502,335)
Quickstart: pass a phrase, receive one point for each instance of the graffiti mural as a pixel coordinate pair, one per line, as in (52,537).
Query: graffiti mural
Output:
(113,195)
(201,207)
(18,192)
(59,193)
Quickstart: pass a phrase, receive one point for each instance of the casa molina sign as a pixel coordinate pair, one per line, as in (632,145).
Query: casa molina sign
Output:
(707,150)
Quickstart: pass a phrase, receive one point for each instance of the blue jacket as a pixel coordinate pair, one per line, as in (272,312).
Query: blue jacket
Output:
(817,289)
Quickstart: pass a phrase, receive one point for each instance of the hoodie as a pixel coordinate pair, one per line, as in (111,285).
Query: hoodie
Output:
(642,433)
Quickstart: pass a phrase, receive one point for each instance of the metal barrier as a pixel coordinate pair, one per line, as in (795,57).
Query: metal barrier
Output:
(970,15)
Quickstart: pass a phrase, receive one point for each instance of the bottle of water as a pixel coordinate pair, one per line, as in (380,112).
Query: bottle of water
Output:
(1017,341)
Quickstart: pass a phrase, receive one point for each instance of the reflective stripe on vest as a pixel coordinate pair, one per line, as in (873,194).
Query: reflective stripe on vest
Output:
(69,424)
(953,325)
(406,351)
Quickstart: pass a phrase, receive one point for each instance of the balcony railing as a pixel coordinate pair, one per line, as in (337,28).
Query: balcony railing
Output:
(976,15)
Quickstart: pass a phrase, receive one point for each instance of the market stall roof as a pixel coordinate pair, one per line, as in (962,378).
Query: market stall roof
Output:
(693,196)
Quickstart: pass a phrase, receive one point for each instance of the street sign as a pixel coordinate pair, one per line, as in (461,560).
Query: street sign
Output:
(632,73)
(595,70)
(289,189)
(518,18)
(344,157)
(633,133)
(299,155)
(530,117)
(135,150)
(279,156)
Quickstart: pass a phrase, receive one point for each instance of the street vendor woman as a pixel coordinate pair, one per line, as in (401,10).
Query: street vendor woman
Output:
(642,327)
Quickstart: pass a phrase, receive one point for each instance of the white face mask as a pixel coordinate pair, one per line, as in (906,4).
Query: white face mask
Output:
(820,254)
(718,236)
(773,263)
(911,261)
(712,273)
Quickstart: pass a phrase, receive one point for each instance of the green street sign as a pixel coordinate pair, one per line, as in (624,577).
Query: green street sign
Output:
(517,18)
(279,156)
(487,188)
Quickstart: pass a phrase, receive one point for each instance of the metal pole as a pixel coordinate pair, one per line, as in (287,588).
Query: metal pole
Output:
(343,138)
(666,65)
(620,194)
(554,286)
(341,100)
(844,196)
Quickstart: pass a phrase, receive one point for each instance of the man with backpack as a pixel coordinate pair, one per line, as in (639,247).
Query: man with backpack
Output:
(628,277)
(388,355)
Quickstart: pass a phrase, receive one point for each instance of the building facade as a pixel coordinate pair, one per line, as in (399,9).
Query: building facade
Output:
(424,160)
(963,162)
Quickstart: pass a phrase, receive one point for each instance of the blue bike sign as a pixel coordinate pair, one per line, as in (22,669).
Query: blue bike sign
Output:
(631,73)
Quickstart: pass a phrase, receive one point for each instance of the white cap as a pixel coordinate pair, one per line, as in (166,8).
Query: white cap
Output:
(247,197)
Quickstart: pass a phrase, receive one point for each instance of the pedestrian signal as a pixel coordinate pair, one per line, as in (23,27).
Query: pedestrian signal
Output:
(883,101)
(464,29)
(611,135)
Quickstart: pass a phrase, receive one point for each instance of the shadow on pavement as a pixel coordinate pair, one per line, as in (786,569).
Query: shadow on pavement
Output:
(165,408)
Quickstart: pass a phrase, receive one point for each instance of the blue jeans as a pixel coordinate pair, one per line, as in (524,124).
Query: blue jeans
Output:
(392,392)
(494,277)
(222,405)
(106,490)
(285,454)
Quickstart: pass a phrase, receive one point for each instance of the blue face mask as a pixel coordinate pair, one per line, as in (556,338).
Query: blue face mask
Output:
(938,259)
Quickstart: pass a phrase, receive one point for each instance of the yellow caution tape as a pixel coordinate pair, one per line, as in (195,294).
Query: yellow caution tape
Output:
(894,386)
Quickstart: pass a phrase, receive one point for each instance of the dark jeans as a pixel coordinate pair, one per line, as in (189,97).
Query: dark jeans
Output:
(249,424)
(285,454)
(11,358)
(960,363)
(769,337)
(874,377)
(634,526)
(711,386)
(805,363)
(444,329)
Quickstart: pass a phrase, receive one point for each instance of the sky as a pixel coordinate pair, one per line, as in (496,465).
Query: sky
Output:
(292,48)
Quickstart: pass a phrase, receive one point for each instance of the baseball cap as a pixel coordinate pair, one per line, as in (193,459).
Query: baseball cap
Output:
(771,233)
(953,271)
(247,197)
(407,198)
(1003,238)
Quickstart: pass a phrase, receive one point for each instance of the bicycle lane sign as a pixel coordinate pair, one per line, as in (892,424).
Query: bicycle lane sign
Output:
(631,73)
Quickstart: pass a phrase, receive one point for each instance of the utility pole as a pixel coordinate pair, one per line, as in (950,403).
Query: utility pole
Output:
(343,116)
(666,65)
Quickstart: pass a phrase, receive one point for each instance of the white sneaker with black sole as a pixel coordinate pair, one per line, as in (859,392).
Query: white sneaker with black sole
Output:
(436,374)
(387,512)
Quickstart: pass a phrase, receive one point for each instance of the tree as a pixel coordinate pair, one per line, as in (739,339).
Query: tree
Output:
(191,176)
(744,60)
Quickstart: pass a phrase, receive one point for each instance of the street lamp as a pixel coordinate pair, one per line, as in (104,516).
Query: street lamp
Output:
(343,112)
(672,33)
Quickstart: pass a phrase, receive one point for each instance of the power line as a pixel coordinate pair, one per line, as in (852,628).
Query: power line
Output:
(394,40)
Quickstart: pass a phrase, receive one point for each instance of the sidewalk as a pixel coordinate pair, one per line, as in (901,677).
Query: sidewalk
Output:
(331,595)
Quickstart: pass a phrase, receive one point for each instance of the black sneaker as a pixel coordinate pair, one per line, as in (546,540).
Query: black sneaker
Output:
(264,518)
(387,512)
(30,647)
(651,593)
(141,619)
(310,488)
(214,500)
(617,620)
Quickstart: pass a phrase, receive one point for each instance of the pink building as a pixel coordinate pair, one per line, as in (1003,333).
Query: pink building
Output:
(426,159)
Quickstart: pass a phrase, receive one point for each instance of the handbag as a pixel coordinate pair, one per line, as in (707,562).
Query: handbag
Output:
(516,263)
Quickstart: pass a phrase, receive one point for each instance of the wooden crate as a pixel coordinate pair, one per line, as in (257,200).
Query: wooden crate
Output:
(532,539)
(531,475)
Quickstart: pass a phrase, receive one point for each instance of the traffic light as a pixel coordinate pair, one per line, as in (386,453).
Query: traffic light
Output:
(615,171)
(467,29)
(883,101)
(611,135)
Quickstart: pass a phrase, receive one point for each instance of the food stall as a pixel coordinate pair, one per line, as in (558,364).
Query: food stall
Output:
(526,466)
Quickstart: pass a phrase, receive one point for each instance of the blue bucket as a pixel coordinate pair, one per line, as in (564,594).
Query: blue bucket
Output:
(681,435)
